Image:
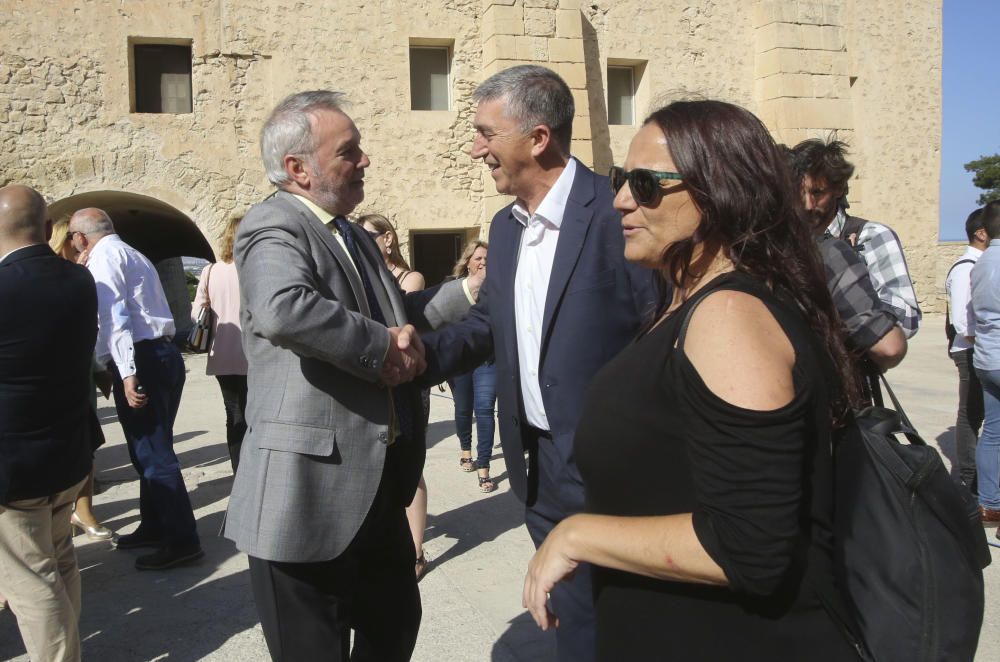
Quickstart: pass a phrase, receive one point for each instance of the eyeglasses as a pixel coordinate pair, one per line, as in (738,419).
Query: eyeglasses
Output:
(646,185)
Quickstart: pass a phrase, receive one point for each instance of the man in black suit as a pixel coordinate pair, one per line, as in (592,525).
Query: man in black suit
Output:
(47,334)
(559,301)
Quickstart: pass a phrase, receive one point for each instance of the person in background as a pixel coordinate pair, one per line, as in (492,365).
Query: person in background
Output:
(83,516)
(219,289)
(475,393)
(960,328)
(381,230)
(704,446)
(47,333)
(135,327)
(985,282)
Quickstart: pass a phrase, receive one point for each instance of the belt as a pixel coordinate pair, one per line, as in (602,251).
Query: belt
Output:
(153,341)
(538,432)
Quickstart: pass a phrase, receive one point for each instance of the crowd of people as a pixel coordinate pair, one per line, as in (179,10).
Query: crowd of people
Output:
(670,350)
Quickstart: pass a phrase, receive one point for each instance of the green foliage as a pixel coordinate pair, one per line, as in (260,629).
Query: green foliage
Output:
(987,177)
(192,284)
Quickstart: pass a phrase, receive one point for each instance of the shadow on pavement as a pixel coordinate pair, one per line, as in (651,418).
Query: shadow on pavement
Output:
(474,523)
(524,641)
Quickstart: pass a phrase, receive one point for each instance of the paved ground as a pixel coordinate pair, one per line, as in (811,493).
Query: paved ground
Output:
(477,544)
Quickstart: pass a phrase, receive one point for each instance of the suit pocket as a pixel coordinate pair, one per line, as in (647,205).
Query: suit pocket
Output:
(587,282)
(296,438)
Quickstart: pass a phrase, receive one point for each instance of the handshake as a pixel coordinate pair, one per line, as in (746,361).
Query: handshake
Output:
(405,358)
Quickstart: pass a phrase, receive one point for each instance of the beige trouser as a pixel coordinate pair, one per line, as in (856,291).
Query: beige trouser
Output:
(39,576)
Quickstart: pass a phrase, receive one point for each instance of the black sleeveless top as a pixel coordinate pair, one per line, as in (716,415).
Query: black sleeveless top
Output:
(654,440)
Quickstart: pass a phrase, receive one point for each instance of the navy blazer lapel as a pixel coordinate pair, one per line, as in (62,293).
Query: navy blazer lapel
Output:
(325,236)
(572,233)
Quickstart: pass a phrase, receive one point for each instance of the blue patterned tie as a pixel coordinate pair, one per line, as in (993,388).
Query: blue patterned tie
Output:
(403,395)
(350,241)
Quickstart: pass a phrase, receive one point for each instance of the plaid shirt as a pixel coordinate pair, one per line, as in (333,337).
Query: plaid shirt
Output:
(883,253)
(866,318)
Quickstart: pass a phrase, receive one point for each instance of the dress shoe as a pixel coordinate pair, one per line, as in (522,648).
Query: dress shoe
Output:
(136,540)
(93,532)
(988,516)
(168,557)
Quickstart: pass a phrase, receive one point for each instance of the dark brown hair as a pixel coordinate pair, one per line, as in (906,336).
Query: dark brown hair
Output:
(738,178)
(822,160)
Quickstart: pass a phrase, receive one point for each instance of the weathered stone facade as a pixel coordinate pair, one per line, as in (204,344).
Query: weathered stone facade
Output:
(870,70)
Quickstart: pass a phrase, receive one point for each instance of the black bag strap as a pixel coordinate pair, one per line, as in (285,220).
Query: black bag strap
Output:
(949,329)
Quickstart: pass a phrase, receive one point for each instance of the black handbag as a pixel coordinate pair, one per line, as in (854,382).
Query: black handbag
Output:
(200,336)
(909,548)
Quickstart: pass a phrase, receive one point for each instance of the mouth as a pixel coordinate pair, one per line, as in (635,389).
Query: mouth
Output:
(629,230)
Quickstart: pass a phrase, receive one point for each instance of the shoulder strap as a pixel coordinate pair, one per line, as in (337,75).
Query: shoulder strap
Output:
(208,276)
(966,260)
(720,283)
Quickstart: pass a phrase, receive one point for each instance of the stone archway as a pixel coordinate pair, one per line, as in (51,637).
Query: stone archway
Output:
(161,232)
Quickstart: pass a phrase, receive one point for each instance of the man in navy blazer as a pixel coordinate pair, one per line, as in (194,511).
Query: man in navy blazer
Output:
(559,301)
(47,331)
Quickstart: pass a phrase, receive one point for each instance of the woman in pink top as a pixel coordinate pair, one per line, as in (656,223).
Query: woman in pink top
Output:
(219,289)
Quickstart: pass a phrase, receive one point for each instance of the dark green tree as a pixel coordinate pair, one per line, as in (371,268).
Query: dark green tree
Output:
(987,177)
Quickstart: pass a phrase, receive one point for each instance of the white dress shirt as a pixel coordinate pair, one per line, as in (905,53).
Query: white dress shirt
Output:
(958,285)
(531,283)
(131,305)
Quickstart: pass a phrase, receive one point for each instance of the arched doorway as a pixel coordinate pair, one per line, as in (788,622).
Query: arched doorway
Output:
(158,230)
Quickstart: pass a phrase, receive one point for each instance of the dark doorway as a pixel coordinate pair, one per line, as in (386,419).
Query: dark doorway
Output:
(435,253)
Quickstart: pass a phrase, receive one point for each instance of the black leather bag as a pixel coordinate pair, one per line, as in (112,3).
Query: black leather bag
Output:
(200,336)
(909,546)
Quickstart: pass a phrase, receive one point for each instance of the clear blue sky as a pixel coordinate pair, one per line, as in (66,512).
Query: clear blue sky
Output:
(971,117)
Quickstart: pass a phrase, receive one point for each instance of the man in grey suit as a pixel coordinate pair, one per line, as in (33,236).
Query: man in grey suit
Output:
(334,449)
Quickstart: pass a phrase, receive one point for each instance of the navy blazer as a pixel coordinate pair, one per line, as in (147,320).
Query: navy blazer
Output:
(594,306)
(48,328)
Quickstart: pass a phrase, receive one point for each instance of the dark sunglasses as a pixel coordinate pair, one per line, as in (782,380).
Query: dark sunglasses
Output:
(646,185)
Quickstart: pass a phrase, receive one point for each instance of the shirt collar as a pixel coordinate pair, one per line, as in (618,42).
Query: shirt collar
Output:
(972,252)
(14,251)
(553,205)
(104,243)
(323,215)
(837,224)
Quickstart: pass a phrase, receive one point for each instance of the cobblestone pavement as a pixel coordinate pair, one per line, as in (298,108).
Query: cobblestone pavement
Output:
(477,544)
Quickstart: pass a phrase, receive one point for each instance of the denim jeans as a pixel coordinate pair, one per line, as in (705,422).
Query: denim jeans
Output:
(988,448)
(234,398)
(969,418)
(476,392)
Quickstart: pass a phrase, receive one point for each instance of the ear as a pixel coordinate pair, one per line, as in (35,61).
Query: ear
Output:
(295,168)
(388,239)
(541,138)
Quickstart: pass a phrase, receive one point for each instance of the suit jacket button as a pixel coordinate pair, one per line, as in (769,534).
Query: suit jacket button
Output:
(383,437)
(364,361)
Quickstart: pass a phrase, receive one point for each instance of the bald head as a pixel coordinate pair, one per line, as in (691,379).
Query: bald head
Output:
(22,216)
(93,222)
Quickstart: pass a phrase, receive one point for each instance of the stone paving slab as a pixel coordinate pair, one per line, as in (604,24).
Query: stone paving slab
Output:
(477,544)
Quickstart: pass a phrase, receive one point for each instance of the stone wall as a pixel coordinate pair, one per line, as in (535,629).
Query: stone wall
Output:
(868,69)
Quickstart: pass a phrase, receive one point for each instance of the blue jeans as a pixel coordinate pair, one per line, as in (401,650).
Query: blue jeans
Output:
(988,448)
(164,507)
(476,392)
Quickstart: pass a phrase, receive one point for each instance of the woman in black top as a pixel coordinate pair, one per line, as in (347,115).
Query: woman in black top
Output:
(705,445)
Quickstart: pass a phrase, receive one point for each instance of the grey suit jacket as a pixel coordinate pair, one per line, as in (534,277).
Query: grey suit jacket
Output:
(317,414)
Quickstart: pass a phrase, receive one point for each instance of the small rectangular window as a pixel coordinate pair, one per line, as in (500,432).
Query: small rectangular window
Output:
(162,78)
(621,95)
(430,73)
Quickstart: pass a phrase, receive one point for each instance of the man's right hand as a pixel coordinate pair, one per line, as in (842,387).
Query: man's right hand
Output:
(136,400)
(404,359)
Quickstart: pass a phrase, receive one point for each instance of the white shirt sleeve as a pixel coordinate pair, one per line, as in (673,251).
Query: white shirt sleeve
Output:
(114,336)
(959,291)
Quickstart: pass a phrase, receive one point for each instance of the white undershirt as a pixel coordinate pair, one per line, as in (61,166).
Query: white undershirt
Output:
(531,283)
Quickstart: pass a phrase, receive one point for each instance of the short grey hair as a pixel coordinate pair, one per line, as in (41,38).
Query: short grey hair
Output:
(93,221)
(288,130)
(533,95)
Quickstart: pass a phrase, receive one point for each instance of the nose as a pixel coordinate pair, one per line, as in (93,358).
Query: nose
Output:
(365,161)
(478,150)
(624,202)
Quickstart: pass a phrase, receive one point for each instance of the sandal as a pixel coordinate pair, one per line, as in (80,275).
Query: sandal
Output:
(486,484)
(420,567)
(467,464)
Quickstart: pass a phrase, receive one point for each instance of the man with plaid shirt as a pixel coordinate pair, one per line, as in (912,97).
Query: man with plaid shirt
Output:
(823,172)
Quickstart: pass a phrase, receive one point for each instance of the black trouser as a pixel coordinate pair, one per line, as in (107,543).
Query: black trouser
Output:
(560,494)
(970,417)
(234,398)
(307,610)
